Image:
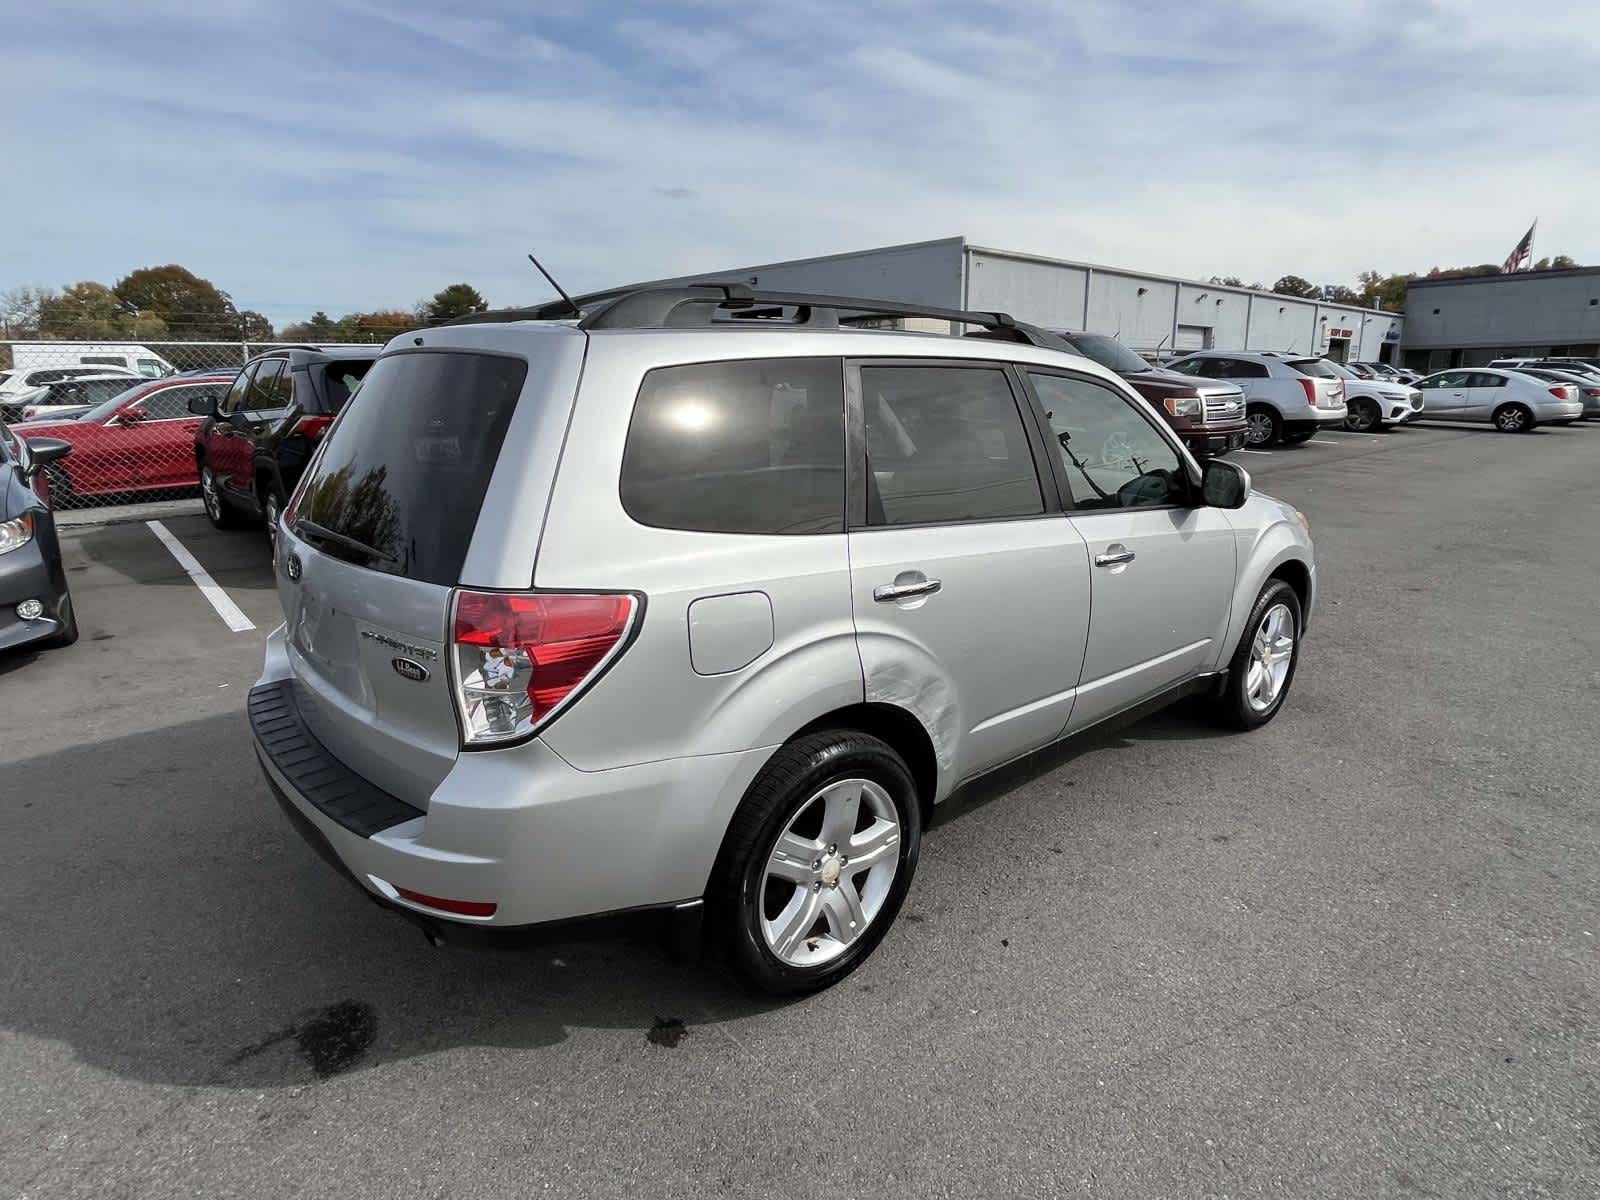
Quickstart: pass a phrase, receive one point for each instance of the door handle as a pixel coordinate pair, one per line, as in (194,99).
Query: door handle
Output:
(886,593)
(1116,555)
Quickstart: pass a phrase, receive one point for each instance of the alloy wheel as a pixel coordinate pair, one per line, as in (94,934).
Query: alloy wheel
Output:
(208,494)
(1271,656)
(830,872)
(1511,419)
(270,508)
(1258,429)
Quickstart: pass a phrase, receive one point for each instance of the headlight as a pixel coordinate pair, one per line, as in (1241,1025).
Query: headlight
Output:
(16,534)
(1183,406)
(1305,521)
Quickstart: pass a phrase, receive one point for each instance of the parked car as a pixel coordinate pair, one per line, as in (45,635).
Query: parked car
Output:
(71,412)
(19,382)
(65,394)
(1509,400)
(1588,386)
(254,442)
(140,440)
(1383,370)
(1207,414)
(1288,397)
(654,611)
(1373,403)
(35,602)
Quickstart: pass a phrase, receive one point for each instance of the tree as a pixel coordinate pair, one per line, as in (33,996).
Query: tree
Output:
(253,327)
(1226,280)
(192,307)
(1561,262)
(457,300)
(320,328)
(90,310)
(1387,292)
(19,309)
(1339,294)
(1293,285)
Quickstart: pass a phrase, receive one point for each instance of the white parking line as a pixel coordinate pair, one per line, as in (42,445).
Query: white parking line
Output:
(232,616)
(1242,450)
(1360,437)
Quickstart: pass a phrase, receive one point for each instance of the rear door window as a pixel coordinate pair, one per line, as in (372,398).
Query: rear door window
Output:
(1314,367)
(754,446)
(945,444)
(404,470)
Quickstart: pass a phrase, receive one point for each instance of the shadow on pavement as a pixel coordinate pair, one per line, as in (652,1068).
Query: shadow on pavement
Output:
(166,923)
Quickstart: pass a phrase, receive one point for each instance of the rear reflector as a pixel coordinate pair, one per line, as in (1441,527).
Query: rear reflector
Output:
(462,908)
(520,656)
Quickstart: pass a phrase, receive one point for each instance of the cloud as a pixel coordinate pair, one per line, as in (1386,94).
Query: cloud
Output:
(360,156)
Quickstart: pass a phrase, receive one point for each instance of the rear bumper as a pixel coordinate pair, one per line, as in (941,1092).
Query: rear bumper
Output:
(518,828)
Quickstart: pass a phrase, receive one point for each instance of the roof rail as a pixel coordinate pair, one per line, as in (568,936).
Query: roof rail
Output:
(699,304)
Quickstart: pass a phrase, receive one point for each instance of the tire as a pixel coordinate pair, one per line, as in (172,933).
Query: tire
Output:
(270,493)
(1299,438)
(69,634)
(62,495)
(1513,418)
(1363,417)
(1240,706)
(785,919)
(219,512)
(1263,426)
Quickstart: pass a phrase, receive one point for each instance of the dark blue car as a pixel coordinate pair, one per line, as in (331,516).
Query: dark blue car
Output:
(35,606)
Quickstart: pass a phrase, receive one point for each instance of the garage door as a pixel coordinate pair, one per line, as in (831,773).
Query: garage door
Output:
(1193,337)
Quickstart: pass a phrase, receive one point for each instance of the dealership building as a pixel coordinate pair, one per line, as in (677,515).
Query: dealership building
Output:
(1469,321)
(1149,313)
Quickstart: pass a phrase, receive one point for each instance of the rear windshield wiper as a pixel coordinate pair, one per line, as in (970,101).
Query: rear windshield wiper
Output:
(344,541)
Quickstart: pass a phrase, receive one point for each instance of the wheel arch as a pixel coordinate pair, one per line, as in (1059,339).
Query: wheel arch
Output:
(897,727)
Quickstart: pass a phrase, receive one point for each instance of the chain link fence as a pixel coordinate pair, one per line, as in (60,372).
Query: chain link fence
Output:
(125,409)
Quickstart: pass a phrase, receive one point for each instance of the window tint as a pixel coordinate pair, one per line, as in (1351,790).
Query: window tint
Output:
(1484,379)
(234,400)
(340,380)
(738,447)
(170,404)
(405,469)
(1453,379)
(110,360)
(1193,366)
(264,392)
(1240,368)
(1112,455)
(1314,367)
(151,368)
(945,444)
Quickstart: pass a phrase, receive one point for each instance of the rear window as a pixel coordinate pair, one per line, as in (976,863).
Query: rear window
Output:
(405,469)
(755,446)
(1315,367)
(341,380)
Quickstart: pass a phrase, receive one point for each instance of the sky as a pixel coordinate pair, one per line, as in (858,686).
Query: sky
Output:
(351,155)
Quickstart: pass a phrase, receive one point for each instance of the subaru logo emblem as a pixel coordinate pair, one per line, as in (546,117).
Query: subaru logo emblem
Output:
(292,568)
(410,669)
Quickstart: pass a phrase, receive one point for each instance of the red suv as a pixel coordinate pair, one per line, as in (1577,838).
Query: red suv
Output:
(1206,413)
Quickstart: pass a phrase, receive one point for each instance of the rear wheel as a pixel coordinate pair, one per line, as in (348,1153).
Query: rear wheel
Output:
(1363,416)
(1262,426)
(1513,418)
(271,496)
(816,861)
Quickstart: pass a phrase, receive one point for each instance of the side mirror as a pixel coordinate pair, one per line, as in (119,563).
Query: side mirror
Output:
(203,406)
(132,416)
(1224,484)
(45,450)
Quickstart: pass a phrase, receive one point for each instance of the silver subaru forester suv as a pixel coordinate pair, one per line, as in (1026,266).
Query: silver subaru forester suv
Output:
(700,601)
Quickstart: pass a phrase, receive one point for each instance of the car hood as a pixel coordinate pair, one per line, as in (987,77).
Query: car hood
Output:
(1163,379)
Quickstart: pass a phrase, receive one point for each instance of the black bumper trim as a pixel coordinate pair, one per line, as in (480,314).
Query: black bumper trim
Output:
(332,788)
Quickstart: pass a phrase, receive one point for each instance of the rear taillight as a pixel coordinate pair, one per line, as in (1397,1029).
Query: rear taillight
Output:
(1592,393)
(1560,393)
(1311,389)
(521,656)
(312,426)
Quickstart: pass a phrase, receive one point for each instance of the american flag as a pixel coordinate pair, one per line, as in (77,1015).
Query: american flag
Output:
(1524,251)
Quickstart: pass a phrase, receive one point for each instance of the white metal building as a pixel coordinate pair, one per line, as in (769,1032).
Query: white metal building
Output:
(1147,312)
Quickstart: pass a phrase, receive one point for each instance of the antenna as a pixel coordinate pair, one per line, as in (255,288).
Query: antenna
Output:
(571,303)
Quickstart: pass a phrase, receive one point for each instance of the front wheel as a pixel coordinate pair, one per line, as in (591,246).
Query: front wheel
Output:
(1263,666)
(816,861)
(1262,426)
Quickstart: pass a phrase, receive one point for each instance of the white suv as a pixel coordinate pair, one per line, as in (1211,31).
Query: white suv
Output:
(1288,397)
(702,602)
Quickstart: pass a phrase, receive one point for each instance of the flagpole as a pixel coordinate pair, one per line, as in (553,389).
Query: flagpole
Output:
(1531,232)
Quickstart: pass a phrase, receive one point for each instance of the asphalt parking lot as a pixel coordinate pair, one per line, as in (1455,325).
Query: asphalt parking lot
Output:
(1354,953)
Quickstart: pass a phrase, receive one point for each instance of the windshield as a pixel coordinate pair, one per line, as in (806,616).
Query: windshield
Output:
(105,408)
(1316,367)
(1108,352)
(423,428)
